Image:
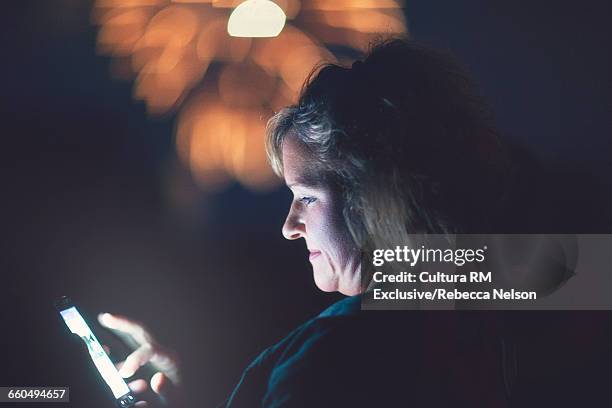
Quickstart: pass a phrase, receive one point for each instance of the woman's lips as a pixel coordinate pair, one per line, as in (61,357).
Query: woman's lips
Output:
(314,254)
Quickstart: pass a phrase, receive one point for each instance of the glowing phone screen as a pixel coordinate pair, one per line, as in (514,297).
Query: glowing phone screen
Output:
(77,325)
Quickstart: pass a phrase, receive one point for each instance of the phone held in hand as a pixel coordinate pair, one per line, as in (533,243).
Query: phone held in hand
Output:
(77,325)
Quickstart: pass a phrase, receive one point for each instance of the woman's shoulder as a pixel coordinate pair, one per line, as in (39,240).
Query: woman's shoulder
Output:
(346,356)
(326,362)
(319,328)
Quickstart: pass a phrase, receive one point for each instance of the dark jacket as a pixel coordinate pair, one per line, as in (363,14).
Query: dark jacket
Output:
(346,357)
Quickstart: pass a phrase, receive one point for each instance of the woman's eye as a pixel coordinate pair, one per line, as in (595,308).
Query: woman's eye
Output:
(307,200)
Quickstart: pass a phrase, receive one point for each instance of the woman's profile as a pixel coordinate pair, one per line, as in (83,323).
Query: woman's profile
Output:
(397,144)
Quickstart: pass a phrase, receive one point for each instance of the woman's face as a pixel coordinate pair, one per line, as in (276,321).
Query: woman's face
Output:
(316,215)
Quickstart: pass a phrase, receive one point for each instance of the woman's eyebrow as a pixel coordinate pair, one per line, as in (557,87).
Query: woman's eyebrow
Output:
(302,183)
(308,182)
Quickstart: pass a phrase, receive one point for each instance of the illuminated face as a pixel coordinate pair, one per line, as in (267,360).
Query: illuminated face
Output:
(316,215)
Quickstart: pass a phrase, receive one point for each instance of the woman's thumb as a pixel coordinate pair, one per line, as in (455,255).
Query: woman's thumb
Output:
(167,391)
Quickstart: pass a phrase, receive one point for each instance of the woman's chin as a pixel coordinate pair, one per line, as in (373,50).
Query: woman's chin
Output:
(325,281)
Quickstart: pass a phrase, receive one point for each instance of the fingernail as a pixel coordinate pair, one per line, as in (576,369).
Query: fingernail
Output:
(103,317)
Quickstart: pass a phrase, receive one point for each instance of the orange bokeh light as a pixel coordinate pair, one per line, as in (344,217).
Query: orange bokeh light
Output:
(224,88)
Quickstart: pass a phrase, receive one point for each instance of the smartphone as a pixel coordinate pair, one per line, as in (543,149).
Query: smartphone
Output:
(77,325)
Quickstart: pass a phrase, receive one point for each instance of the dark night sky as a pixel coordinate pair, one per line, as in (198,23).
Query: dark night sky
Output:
(86,179)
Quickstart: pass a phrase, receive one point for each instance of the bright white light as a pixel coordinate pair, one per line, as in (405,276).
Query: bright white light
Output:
(256,18)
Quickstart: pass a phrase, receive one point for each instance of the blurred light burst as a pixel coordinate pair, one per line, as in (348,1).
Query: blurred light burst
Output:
(222,88)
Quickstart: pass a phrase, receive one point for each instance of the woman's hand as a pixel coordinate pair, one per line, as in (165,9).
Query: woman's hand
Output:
(166,381)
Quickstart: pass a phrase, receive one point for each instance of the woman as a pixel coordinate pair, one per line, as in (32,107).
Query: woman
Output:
(399,143)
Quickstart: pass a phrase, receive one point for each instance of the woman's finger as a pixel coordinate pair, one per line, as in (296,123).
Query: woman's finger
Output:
(124,325)
(136,360)
(138,386)
(167,391)
(141,404)
(159,383)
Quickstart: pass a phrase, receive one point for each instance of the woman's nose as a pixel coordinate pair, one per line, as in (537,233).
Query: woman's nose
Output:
(294,227)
